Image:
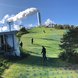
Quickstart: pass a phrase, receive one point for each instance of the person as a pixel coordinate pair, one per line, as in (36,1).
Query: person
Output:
(32,41)
(21,44)
(44,31)
(44,53)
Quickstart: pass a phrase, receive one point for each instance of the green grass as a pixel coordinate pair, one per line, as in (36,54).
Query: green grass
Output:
(4,64)
(50,39)
(33,66)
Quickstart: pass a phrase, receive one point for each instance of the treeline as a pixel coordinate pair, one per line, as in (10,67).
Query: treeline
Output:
(60,26)
(69,46)
(64,26)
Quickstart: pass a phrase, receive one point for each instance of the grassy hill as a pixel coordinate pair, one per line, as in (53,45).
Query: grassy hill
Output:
(50,39)
(33,66)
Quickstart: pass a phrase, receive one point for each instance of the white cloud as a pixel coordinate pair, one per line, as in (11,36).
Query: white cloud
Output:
(49,22)
(17,27)
(19,22)
(23,14)
(4,28)
(0,29)
(30,25)
(4,19)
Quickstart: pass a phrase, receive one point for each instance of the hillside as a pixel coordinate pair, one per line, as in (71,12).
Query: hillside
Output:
(50,39)
(33,66)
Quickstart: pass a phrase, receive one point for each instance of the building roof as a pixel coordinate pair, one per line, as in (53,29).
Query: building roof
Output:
(9,32)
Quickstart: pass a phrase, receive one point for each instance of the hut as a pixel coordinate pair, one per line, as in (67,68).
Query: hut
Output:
(9,43)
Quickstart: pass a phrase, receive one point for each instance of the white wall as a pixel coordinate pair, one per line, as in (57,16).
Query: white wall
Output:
(10,40)
(16,46)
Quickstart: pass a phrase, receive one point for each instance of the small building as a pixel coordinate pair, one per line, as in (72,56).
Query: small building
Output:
(9,43)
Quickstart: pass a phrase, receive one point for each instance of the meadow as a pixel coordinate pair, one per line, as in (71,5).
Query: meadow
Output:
(33,66)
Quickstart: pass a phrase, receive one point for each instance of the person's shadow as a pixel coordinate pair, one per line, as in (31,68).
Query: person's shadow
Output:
(38,61)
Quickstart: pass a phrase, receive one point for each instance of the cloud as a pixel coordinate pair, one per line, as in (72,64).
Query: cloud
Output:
(49,22)
(0,29)
(19,22)
(22,14)
(4,19)
(16,27)
(30,25)
(4,28)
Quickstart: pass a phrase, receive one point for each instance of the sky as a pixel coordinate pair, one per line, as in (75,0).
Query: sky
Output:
(59,11)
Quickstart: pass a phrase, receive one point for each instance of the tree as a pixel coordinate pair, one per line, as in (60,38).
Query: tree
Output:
(21,32)
(69,45)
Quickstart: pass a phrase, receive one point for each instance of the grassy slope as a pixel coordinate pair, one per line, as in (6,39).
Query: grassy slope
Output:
(33,67)
(50,40)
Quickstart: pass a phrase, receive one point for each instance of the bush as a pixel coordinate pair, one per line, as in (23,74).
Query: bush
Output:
(21,32)
(4,64)
(69,45)
(62,56)
(69,57)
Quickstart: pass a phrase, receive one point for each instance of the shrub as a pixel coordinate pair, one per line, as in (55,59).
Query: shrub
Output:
(69,45)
